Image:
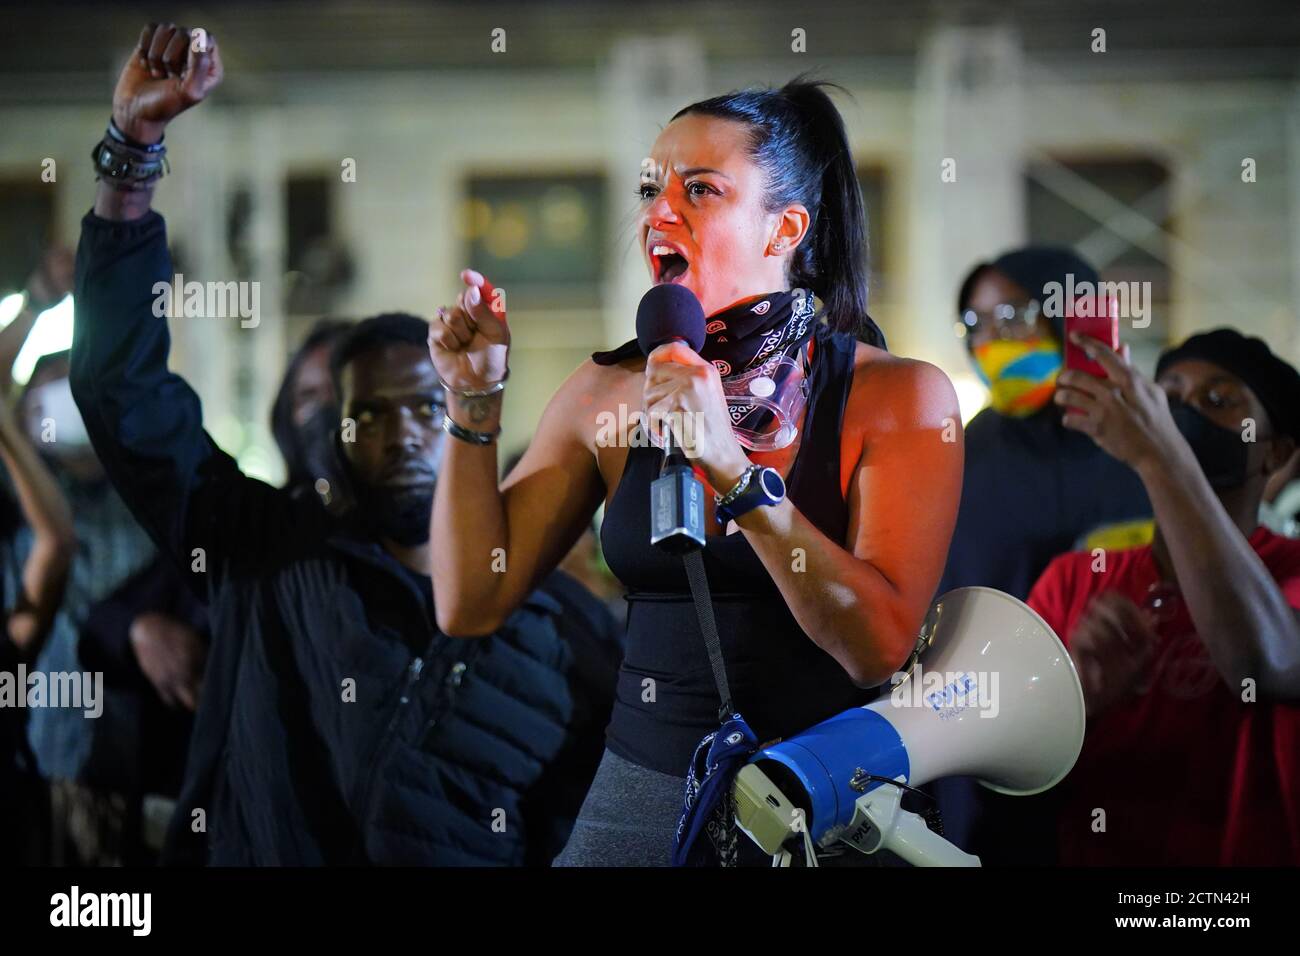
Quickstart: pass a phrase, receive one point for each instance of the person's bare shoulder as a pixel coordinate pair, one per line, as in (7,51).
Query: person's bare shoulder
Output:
(891,392)
(593,389)
(592,379)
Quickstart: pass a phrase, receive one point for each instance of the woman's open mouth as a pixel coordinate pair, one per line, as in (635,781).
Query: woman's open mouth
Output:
(669,264)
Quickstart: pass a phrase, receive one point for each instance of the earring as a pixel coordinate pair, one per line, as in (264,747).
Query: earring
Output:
(778,246)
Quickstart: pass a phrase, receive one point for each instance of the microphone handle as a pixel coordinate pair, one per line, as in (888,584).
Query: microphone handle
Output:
(676,503)
(674,456)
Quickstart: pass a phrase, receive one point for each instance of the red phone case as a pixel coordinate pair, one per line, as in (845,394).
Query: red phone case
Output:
(1100,320)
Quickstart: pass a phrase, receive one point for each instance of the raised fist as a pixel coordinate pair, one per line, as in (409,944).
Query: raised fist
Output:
(170,69)
(470,341)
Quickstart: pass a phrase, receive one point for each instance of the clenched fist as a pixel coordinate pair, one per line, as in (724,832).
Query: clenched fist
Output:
(170,69)
(470,342)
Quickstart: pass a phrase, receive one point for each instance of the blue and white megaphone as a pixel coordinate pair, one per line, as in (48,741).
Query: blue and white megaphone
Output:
(990,693)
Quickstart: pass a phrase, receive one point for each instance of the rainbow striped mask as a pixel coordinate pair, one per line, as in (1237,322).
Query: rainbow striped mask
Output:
(1020,373)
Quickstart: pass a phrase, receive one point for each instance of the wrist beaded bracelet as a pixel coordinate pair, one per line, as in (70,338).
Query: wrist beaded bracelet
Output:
(126,164)
(115,131)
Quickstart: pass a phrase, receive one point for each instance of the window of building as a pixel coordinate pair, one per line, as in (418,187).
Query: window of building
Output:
(544,237)
(1116,212)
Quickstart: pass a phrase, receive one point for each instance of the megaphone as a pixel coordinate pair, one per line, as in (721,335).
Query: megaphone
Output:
(989,692)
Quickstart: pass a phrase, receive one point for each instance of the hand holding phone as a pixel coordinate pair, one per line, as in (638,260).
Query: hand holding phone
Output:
(1095,316)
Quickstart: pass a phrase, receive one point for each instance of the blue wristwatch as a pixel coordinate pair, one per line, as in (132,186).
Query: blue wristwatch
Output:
(758,486)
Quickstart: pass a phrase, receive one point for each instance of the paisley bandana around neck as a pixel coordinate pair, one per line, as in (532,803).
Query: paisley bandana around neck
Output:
(767,386)
(754,346)
(742,337)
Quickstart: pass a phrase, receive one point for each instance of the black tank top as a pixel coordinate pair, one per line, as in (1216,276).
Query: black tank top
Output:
(781,681)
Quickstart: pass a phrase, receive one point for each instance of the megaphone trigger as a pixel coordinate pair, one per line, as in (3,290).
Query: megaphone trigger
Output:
(880,822)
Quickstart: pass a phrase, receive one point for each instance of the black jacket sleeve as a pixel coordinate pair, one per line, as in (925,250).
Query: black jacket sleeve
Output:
(145,422)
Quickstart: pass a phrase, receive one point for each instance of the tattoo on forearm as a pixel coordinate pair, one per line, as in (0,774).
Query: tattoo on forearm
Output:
(480,409)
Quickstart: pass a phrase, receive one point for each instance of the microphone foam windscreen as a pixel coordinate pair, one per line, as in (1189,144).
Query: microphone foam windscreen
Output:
(669,312)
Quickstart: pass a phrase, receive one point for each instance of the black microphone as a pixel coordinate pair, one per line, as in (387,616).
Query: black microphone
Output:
(672,313)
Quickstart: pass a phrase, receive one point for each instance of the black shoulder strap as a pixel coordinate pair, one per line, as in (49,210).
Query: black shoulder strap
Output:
(694,561)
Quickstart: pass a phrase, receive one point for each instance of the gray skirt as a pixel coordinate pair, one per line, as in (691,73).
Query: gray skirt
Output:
(629,817)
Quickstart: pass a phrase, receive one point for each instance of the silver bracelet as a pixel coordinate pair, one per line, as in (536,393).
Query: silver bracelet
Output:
(738,488)
(477,392)
(468,434)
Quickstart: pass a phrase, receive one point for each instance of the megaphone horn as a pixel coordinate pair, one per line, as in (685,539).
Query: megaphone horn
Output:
(989,692)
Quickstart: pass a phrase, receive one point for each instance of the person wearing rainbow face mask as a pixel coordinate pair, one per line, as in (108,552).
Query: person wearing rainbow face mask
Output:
(1015,359)
(1031,489)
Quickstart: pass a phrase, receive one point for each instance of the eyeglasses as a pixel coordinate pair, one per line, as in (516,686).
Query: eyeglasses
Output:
(1005,321)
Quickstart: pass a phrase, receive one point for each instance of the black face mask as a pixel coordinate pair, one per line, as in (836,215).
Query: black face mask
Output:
(1220,452)
(398,515)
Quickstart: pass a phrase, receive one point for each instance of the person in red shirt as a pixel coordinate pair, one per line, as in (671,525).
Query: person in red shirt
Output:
(1188,649)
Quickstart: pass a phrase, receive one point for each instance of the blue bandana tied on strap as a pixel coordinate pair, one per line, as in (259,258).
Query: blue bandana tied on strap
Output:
(709,805)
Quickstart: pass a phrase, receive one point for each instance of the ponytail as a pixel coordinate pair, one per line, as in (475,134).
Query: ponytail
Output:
(798,139)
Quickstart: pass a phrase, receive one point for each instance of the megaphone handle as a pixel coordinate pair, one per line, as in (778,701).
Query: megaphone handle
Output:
(916,843)
(906,834)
